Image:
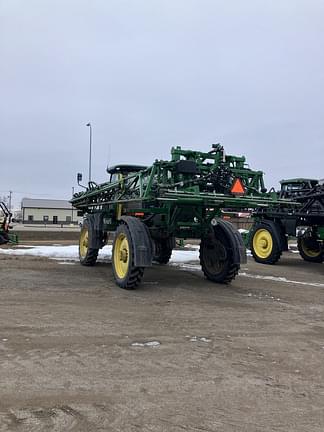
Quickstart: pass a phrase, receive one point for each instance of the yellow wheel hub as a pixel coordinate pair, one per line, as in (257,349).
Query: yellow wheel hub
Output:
(121,256)
(262,243)
(308,251)
(84,241)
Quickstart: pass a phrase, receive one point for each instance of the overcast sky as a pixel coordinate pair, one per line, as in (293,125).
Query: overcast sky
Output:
(154,74)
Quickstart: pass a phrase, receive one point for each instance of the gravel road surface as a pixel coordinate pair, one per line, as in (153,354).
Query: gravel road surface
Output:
(79,354)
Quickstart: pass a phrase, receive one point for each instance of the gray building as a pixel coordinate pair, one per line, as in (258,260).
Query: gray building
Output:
(48,211)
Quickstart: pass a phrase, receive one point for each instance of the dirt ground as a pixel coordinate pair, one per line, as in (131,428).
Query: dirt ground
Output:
(244,357)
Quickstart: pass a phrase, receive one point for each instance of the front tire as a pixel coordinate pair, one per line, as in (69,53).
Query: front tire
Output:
(125,273)
(264,244)
(310,250)
(216,258)
(87,256)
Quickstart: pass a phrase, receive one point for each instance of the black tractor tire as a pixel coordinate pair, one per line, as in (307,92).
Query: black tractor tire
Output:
(87,256)
(216,257)
(4,238)
(126,275)
(310,250)
(265,247)
(163,251)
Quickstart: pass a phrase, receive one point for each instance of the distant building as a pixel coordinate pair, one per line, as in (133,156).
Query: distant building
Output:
(48,211)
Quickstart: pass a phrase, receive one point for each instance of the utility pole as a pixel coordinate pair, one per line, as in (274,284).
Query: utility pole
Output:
(72,204)
(9,204)
(90,142)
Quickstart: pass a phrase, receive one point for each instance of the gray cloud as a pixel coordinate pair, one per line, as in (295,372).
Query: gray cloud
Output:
(153,74)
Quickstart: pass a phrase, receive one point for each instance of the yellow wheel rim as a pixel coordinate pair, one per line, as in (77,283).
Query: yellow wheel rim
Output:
(121,255)
(308,251)
(84,241)
(262,243)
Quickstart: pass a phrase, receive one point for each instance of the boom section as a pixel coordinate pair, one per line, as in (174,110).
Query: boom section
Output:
(180,196)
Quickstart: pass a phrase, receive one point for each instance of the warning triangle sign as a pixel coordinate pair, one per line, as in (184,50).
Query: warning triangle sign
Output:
(238,187)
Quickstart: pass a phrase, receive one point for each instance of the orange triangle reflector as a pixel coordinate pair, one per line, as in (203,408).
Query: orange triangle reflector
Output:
(237,187)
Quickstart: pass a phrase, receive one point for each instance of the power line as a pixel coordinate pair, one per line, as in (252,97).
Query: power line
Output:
(28,193)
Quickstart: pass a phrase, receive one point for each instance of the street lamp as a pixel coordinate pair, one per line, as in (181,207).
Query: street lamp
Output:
(72,204)
(90,141)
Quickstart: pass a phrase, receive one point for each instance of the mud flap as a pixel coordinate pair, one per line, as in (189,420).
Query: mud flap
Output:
(142,243)
(235,241)
(96,234)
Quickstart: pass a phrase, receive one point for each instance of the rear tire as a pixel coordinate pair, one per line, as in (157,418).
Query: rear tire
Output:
(310,250)
(126,275)
(163,250)
(264,244)
(87,256)
(216,258)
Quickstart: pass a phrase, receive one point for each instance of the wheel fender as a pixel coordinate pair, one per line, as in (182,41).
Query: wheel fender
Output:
(96,237)
(235,241)
(280,238)
(141,239)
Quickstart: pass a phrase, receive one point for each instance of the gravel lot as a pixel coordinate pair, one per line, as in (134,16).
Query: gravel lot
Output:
(245,357)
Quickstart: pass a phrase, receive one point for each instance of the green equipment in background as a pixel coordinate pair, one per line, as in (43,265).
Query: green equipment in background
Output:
(273,226)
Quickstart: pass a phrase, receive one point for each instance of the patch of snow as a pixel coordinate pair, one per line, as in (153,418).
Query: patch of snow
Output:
(66,252)
(261,296)
(151,344)
(180,256)
(199,339)
(281,279)
(72,252)
(45,251)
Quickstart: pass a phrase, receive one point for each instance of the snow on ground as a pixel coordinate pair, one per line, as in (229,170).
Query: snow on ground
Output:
(190,253)
(282,279)
(65,252)
(72,253)
(187,259)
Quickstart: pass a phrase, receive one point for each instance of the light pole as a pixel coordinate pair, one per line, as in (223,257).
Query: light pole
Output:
(90,142)
(9,196)
(72,204)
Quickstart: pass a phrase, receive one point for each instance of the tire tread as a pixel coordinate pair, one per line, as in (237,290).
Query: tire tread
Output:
(317,259)
(231,271)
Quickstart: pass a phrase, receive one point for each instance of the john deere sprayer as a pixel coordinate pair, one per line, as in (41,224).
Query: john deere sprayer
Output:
(273,225)
(148,207)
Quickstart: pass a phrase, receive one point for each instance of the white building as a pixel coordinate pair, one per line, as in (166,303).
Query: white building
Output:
(48,211)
